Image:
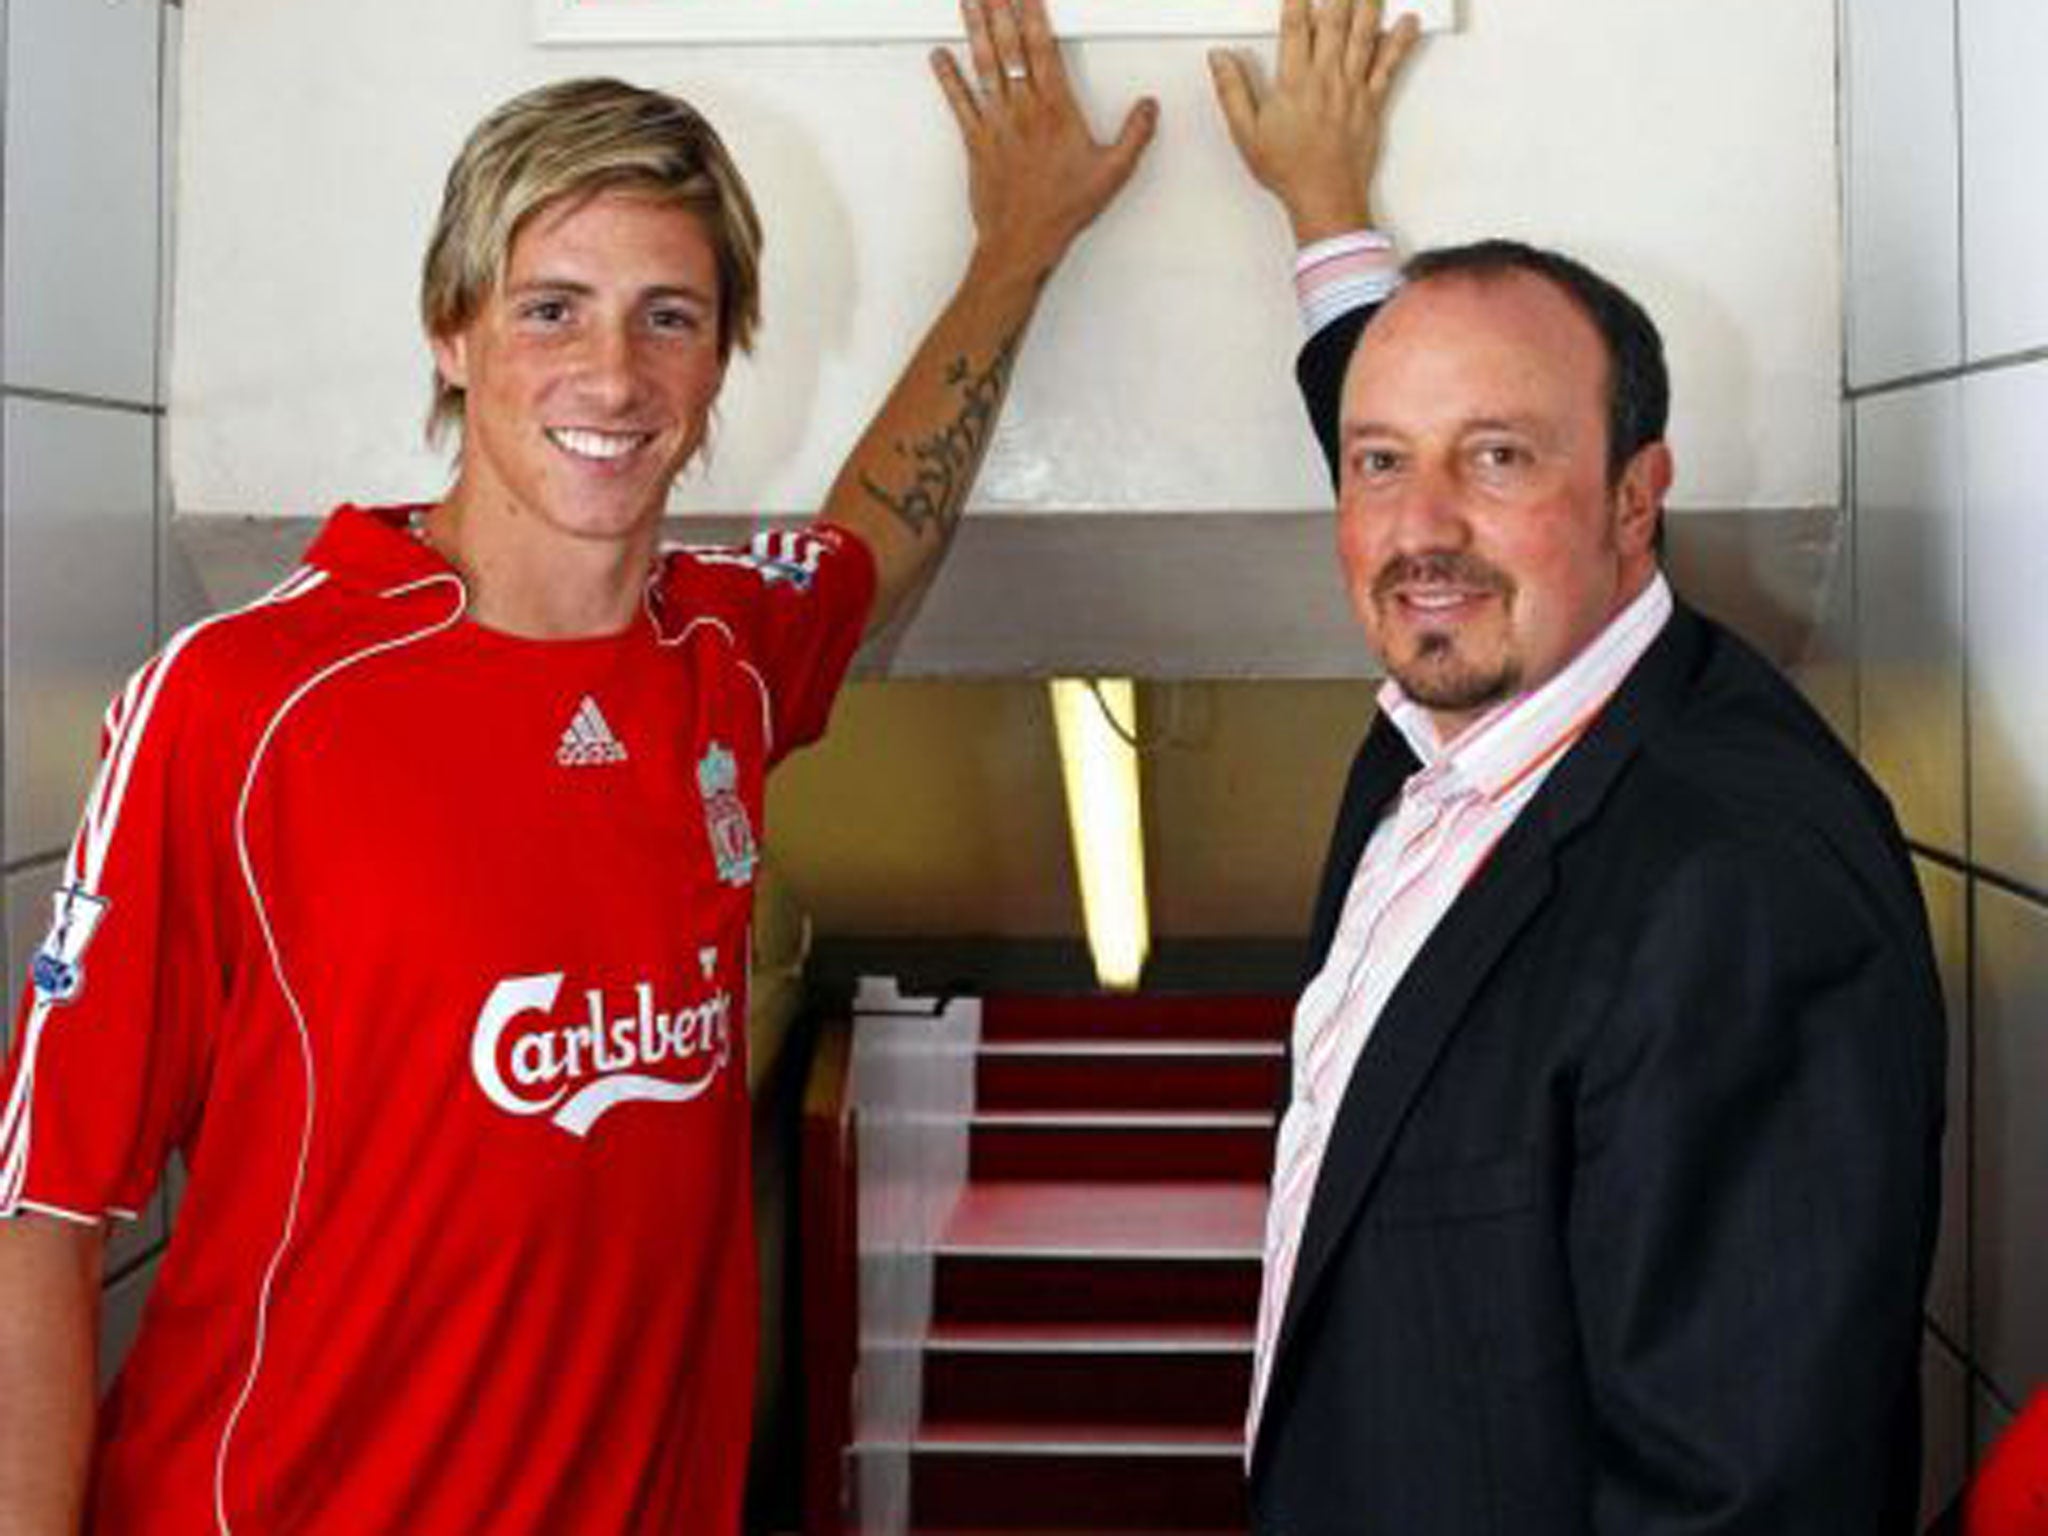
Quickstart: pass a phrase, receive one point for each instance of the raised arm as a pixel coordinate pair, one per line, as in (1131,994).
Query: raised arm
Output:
(1037,177)
(1313,138)
(49,1328)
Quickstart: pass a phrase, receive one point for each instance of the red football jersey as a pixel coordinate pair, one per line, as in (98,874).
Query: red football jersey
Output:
(426,945)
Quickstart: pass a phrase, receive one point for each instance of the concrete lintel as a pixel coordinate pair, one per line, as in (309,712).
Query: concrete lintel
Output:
(1166,595)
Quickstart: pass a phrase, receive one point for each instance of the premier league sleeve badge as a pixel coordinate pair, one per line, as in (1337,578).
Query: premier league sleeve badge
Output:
(58,970)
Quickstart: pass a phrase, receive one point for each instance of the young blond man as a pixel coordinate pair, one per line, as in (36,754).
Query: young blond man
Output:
(411,904)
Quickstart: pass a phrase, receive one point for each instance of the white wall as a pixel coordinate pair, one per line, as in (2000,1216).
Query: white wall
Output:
(1686,145)
(84,595)
(1948,401)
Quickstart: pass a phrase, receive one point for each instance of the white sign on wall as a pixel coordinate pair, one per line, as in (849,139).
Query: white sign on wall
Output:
(805,21)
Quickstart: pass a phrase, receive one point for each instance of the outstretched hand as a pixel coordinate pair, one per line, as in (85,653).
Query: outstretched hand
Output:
(1036,174)
(1313,139)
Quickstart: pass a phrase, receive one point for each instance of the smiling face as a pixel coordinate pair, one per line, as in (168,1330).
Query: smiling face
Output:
(589,372)
(1483,546)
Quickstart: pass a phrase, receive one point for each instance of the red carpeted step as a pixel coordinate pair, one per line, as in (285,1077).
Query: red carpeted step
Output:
(984,1288)
(1097,1016)
(1123,1146)
(1114,1381)
(1096,1285)
(1009,1250)
(1233,1337)
(1130,1075)
(1227,1218)
(1077,1478)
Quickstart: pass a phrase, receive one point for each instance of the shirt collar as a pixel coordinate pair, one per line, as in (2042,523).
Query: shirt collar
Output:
(1524,734)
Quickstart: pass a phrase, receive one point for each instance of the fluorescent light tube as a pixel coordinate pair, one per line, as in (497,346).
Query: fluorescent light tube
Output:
(1100,771)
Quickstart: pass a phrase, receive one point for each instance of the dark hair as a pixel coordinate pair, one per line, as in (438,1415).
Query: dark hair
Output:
(1638,387)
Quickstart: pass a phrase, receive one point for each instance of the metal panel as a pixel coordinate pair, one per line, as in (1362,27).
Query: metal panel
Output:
(1909,579)
(82,196)
(1904,278)
(2009,1306)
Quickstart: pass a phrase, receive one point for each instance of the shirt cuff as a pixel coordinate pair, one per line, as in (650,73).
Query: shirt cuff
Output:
(1344,273)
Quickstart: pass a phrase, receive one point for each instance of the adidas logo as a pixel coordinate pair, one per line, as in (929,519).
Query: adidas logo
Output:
(588,740)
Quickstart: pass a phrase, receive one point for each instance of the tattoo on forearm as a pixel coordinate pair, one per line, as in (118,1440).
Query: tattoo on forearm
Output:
(941,467)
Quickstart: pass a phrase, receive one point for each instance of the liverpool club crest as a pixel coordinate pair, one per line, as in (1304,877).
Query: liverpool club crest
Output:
(725,816)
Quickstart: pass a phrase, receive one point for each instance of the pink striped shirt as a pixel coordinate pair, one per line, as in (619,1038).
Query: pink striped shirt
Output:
(1431,841)
(1345,272)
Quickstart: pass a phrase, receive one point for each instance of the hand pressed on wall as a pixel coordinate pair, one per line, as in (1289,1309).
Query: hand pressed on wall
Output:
(1313,138)
(1036,174)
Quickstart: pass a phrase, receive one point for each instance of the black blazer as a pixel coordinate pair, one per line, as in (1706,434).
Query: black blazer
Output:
(1626,1216)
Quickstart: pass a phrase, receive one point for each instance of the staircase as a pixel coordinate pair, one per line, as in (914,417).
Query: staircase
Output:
(1097,1285)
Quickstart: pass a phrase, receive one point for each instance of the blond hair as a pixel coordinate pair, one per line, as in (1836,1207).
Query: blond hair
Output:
(575,139)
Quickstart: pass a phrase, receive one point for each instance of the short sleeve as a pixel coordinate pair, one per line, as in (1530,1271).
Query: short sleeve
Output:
(797,603)
(108,1052)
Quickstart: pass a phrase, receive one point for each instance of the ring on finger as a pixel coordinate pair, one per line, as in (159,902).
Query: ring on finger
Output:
(1014,71)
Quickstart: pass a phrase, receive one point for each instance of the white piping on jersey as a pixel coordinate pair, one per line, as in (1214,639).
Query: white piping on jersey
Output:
(768,554)
(760,683)
(291,1219)
(62,1213)
(127,721)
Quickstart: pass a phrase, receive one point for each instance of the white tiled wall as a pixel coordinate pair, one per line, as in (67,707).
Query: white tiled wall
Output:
(80,561)
(1909,577)
(1945,119)
(1826,673)
(121,1317)
(1989,1419)
(2005,222)
(83,288)
(1948,918)
(1904,303)
(172,103)
(81,216)
(129,1241)
(1945,1426)
(2011,1143)
(2005,421)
